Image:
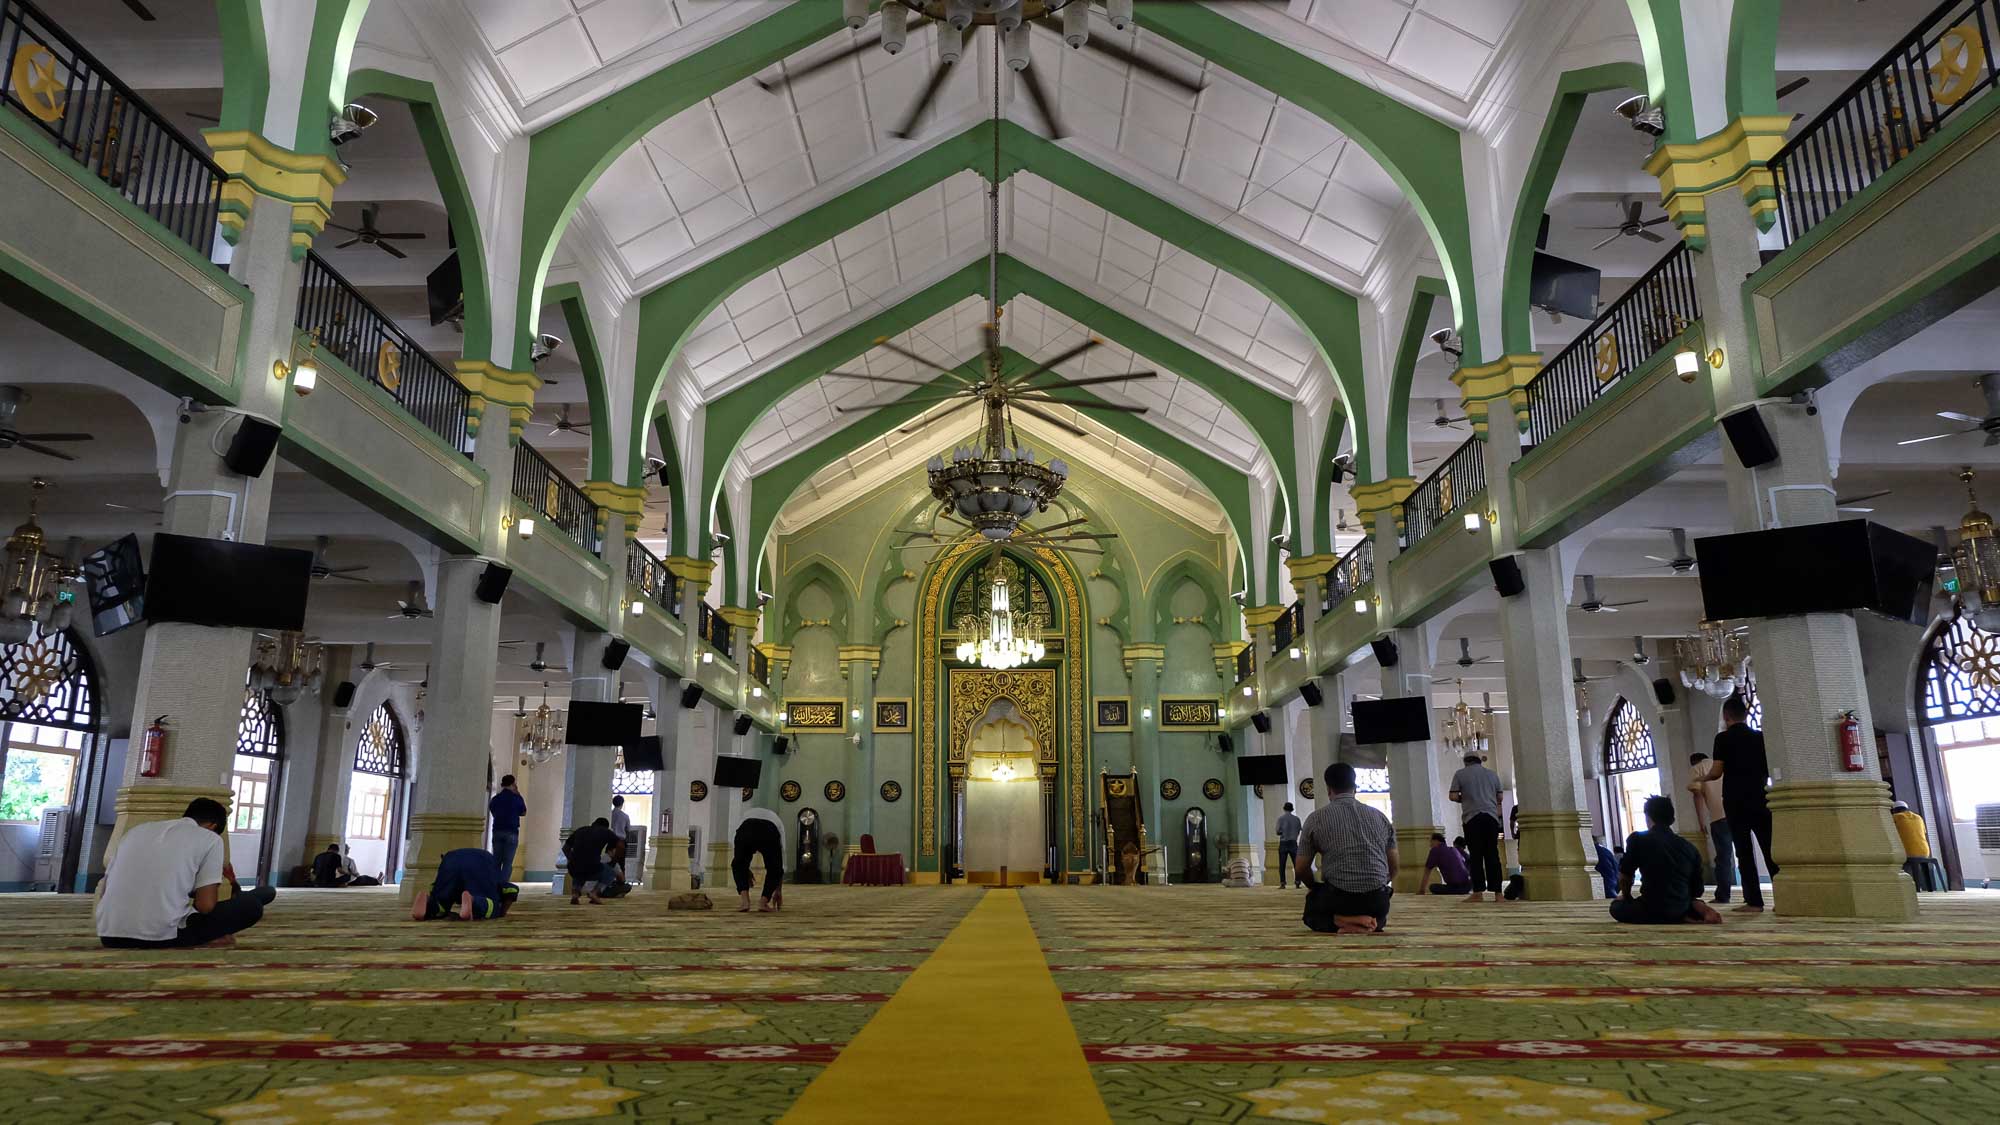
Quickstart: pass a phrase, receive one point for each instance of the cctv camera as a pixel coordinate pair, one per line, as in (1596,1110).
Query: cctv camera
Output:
(545,346)
(189,408)
(1448,343)
(349,122)
(1639,111)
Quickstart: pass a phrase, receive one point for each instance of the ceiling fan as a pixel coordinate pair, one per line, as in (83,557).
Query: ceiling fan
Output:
(412,607)
(1444,420)
(563,425)
(1632,227)
(959,20)
(1989,386)
(140,10)
(11,399)
(1486,698)
(368,234)
(1858,504)
(1465,657)
(538,664)
(1340,524)
(1639,657)
(369,663)
(1682,562)
(320,569)
(1593,604)
(1576,673)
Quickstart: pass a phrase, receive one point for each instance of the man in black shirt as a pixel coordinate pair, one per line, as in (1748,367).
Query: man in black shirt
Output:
(1669,871)
(1739,757)
(584,851)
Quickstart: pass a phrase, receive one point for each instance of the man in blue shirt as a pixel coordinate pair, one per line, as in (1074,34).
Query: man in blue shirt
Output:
(507,809)
(1289,826)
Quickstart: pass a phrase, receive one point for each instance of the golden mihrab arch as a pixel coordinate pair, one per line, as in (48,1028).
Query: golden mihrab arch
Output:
(1052,696)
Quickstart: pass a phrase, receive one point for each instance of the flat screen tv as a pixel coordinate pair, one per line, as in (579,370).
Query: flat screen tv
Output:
(116,574)
(736,773)
(1261,769)
(645,755)
(1559,285)
(1405,719)
(1817,568)
(444,290)
(227,585)
(603,724)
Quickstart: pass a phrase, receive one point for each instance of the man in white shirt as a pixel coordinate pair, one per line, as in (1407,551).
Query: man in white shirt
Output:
(760,832)
(1709,814)
(164,885)
(621,821)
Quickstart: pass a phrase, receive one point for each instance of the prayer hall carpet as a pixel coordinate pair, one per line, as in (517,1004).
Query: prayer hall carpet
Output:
(1038,1005)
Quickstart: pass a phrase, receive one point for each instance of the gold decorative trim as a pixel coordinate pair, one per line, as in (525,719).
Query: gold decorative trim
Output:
(1142,650)
(1738,155)
(1111,713)
(1378,496)
(256,166)
(816,715)
(694,572)
(620,499)
(1507,378)
(892,715)
(1262,616)
(514,390)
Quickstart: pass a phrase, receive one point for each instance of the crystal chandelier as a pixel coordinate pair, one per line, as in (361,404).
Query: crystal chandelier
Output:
(285,664)
(996,639)
(1975,561)
(1465,729)
(38,584)
(1712,660)
(542,737)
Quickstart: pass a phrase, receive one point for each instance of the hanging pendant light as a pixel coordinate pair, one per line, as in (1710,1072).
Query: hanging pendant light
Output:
(1712,660)
(542,739)
(998,639)
(1975,561)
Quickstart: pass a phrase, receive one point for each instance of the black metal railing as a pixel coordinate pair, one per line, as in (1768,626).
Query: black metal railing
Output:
(1355,569)
(348,327)
(760,667)
(1289,625)
(1246,664)
(543,487)
(716,631)
(1651,315)
(59,88)
(648,577)
(1460,478)
(1938,69)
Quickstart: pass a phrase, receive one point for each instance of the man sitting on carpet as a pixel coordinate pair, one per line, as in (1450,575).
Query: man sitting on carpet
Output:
(1669,871)
(469,883)
(1454,877)
(164,887)
(1356,847)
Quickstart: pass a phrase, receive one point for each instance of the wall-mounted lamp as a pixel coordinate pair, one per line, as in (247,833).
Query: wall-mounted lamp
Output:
(854,714)
(303,370)
(708,658)
(1687,363)
(1297,652)
(1222,712)
(756,692)
(1249,692)
(525,527)
(1361,605)
(784,716)
(638,608)
(1473,521)
(1145,712)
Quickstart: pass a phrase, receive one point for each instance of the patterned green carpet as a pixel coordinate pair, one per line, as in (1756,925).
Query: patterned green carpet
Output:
(1200,1004)
(1190,1005)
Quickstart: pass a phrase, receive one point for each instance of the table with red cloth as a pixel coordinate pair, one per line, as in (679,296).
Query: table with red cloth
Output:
(873,869)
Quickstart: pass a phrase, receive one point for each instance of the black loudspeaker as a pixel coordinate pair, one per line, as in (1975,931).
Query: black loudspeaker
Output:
(781,746)
(1749,437)
(1225,744)
(614,654)
(1817,568)
(1385,652)
(343,693)
(1506,575)
(691,696)
(742,725)
(250,450)
(493,583)
(1309,691)
(1262,722)
(1663,690)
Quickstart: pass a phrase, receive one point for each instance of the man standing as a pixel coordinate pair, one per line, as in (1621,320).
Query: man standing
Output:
(1356,847)
(1477,791)
(1669,871)
(1739,758)
(584,852)
(1707,790)
(507,809)
(621,821)
(1288,842)
(164,886)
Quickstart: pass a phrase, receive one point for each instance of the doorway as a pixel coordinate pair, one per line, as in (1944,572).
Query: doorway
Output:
(376,792)
(1003,805)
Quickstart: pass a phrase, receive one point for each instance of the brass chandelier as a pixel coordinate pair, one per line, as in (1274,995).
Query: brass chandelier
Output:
(1712,660)
(543,736)
(39,585)
(1976,561)
(286,664)
(1465,730)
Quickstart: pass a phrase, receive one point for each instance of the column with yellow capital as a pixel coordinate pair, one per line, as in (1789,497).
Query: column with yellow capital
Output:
(1378,498)
(1501,383)
(300,184)
(1262,621)
(1309,582)
(1736,156)
(861,663)
(492,385)
(669,868)
(1143,660)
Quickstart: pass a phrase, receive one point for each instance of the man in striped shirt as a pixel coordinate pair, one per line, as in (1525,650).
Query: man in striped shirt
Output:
(1356,847)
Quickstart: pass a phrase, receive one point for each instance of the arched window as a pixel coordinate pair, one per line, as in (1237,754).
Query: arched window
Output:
(1961,706)
(48,706)
(371,803)
(1628,740)
(381,749)
(259,738)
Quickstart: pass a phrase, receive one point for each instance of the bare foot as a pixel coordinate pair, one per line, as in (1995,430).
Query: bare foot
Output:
(576,900)
(1706,913)
(766,908)
(595,901)
(1749,908)
(465,906)
(226,941)
(1474,897)
(420,907)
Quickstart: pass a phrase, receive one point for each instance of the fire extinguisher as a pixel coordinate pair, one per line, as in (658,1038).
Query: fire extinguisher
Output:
(153,748)
(1851,758)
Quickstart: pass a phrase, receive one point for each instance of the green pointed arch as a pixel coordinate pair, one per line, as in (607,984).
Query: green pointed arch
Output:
(1424,293)
(1663,46)
(1753,60)
(323,92)
(568,296)
(246,66)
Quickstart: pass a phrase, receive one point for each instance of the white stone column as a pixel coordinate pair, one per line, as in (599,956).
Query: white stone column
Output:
(1413,795)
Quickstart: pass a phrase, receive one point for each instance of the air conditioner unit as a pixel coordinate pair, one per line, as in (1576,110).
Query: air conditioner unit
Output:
(49,847)
(1985,819)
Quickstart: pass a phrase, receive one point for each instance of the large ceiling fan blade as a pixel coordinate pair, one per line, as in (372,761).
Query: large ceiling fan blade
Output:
(1956,416)
(139,10)
(888,345)
(1649,236)
(920,423)
(1615,235)
(1065,384)
(911,400)
(1793,86)
(1083,405)
(43,450)
(1632,209)
(1843,501)
(931,88)
(1634,601)
(1936,437)
(876,378)
(1054,527)
(1040,96)
(404,235)
(792,75)
(1656,222)
(390,250)
(57,437)
(1068,427)
(345,245)
(1118,51)
(1060,359)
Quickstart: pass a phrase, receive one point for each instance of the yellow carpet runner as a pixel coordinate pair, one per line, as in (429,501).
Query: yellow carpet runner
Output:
(977,1033)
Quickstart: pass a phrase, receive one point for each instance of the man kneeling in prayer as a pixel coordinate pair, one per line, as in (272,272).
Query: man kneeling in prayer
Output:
(1669,871)
(468,888)
(1356,848)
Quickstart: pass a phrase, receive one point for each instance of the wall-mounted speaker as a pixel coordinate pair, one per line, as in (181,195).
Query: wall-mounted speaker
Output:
(1385,652)
(1262,722)
(343,693)
(615,652)
(493,583)
(1225,744)
(1506,575)
(781,746)
(1748,437)
(250,450)
(742,725)
(1663,690)
(1310,692)
(691,696)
